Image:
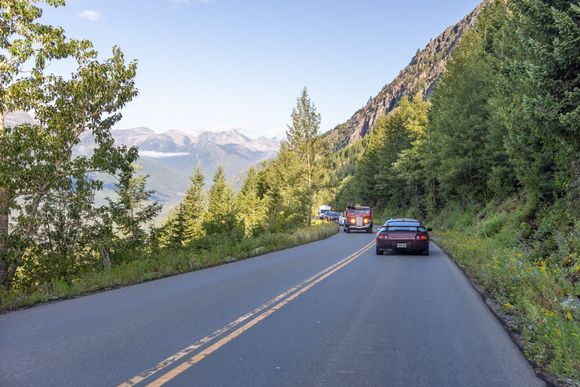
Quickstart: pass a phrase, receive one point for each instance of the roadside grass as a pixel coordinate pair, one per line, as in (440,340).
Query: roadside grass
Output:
(166,263)
(538,293)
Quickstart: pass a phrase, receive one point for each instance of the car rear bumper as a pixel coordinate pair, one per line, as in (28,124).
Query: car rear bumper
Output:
(355,227)
(397,244)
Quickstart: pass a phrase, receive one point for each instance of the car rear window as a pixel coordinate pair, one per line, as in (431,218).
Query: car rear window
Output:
(404,226)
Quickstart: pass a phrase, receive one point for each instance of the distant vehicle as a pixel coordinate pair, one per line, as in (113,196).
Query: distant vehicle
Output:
(323,210)
(341,219)
(400,234)
(332,216)
(359,218)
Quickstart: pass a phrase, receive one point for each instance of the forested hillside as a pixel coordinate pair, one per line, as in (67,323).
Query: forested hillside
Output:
(493,162)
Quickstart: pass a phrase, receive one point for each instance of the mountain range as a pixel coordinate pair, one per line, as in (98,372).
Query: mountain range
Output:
(169,158)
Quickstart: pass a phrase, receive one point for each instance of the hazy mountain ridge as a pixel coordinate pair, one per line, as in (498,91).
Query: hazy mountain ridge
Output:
(420,75)
(175,141)
(170,157)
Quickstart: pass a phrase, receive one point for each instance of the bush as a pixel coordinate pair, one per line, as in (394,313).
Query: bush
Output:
(528,279)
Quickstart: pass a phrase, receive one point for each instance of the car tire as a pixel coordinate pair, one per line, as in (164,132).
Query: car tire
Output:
(426,251)
(348,230)
(379,251)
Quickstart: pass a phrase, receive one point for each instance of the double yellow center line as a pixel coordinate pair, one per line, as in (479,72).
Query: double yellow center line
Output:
(262,312)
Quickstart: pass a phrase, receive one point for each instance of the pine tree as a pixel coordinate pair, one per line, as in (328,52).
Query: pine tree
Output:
(194,207)
(468,140)
(251,207)
(538,98)
(281,186)
(173,234)
(220,218)
(132,209)
(409,166)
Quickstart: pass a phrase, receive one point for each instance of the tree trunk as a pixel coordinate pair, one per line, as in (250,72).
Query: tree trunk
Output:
(4,220)
(106,257)
(310,195)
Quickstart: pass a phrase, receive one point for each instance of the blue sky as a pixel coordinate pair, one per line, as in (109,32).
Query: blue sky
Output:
(221,64)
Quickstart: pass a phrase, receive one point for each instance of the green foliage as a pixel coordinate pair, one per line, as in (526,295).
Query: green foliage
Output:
(37,166)
(279,186)
(252,209)
(173,233)
(194,207)
(185,223)
(391,173)
(538,97)
(304,140)
(221,212)
(63,247)
(531,290)
(132,210)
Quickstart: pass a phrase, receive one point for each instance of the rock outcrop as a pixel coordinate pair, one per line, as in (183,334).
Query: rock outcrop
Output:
(420,75)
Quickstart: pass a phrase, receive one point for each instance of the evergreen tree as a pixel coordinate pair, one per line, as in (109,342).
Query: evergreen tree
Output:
(304,139)
(409,166)
(280,185)
(468,153)
(379,183)
(173,234)
(194,207)
(220,218)
(538,99)
(132,210)
(251,207)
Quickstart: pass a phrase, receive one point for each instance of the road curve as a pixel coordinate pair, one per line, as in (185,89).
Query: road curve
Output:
(330,313)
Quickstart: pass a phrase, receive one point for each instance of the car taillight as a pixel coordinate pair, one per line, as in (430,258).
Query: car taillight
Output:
(420,237)
(382,236)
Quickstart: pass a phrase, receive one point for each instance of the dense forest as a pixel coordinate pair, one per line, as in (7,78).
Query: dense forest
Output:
(493,161)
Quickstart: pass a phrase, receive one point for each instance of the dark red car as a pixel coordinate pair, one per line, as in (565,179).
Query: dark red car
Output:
(403,235)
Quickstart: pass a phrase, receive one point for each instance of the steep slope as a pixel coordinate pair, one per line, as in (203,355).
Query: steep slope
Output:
(419,76)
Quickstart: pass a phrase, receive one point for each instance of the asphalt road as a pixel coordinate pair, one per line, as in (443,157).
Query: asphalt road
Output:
(319,314)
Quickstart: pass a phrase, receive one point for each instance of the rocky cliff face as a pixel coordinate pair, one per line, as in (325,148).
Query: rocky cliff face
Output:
(419,76)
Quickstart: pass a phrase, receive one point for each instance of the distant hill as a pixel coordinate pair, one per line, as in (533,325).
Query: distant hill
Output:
(420,75)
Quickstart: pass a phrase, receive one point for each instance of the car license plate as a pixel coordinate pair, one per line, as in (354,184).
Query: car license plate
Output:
(401,245)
